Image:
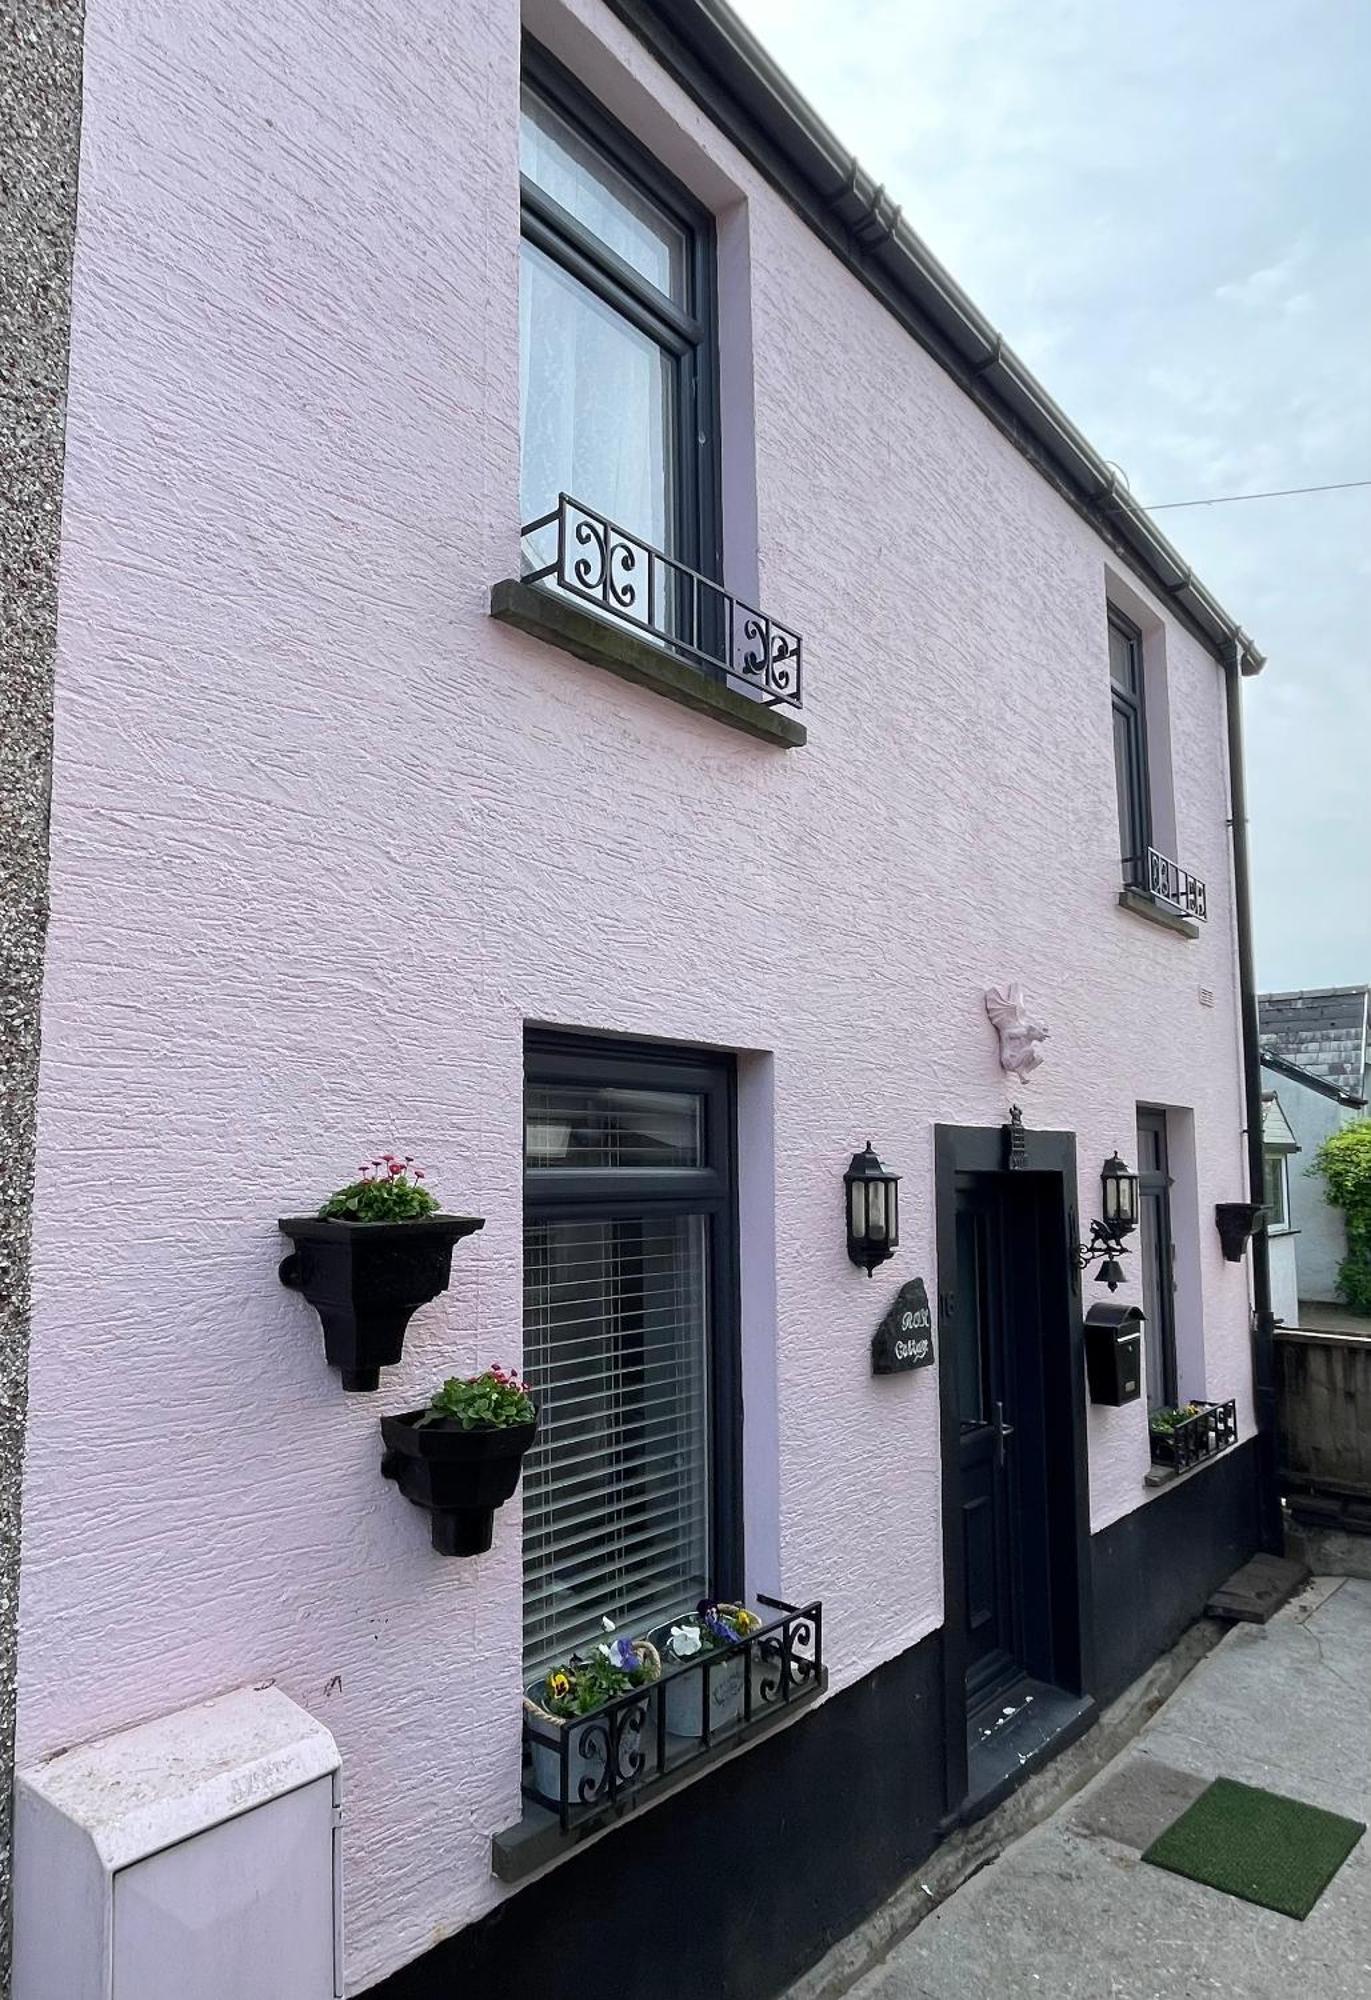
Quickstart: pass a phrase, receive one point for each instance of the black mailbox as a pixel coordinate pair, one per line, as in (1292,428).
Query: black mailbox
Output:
(1113,1353)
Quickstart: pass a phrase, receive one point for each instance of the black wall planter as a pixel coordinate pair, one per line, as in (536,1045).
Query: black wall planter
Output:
(1236,1221)
(459,1476)
(365,1279)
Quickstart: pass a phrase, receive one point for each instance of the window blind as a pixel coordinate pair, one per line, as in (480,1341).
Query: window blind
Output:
(616,1487)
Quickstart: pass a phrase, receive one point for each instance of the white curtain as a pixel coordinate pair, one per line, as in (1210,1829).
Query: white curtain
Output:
(595,408)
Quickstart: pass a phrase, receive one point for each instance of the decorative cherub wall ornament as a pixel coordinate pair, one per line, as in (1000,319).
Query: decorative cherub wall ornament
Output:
(1019,1036)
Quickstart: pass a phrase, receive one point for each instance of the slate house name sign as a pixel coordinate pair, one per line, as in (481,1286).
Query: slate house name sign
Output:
(904,1338)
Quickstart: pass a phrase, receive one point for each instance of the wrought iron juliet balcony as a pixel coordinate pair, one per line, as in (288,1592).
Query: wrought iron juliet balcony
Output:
(625,579)
(1166,882)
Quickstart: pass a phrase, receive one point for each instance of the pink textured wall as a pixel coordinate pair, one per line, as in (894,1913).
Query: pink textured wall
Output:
(324,838)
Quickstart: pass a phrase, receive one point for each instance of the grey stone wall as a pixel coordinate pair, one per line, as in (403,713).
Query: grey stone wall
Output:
(40,117)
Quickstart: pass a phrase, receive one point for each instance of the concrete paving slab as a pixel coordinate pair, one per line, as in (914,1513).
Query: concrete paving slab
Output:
(1071,1912)
(1135,1802)
(1285,1705)
(1067,1918)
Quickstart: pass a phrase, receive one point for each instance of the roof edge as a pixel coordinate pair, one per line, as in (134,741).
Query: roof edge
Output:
(724,68)
(1282,1066)
(1363,989)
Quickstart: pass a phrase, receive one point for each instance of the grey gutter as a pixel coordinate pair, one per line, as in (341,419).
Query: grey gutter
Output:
(709,52)
(1271,1059)
(1263,1317)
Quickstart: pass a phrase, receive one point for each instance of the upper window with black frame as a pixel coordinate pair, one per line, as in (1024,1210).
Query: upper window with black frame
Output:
(619,470)
(630,1340)
(616,329)
(1155,875)
(1130,747)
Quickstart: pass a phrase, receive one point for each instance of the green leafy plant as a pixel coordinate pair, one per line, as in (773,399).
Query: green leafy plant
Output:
(588,1680)
(1344,1161)
(493,1400)
(388,1189)
(1163,1422)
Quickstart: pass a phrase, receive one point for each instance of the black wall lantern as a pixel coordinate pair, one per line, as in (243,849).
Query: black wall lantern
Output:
(1120,1196)
(873,1210)
(1120,1193)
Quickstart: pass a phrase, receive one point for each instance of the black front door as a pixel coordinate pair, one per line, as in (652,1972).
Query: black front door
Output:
(988,1409)
(1009,1328)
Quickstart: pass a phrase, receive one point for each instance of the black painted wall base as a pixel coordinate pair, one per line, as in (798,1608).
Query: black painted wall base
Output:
(1156,1568)
(738,1884)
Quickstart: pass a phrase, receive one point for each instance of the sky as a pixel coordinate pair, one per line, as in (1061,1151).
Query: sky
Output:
(1167,213)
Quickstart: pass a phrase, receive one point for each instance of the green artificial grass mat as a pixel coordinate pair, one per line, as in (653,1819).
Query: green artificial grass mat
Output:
(1257,1845)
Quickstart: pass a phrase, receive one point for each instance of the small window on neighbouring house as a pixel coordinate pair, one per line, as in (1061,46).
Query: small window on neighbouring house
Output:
(1130,747)
(630,1340)
(617,338)
(1276,1194)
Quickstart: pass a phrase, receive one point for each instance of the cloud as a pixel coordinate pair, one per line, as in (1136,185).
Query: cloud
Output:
(1170,228)
(1270,287)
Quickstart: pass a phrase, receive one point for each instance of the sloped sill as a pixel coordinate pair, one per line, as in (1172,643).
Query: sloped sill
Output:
(1158,1476)
(1152,912)
(558,622)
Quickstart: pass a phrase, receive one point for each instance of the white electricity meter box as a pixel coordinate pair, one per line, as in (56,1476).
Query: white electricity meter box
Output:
(198,1854)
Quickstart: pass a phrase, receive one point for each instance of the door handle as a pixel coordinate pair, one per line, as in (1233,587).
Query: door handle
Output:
(1002,1431)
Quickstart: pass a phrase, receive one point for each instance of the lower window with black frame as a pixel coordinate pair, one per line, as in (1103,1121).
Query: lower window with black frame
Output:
(639,1657)
(630,1340)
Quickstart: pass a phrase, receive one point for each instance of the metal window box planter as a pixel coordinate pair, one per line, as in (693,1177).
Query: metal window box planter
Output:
(588,1769)
(1212,1429)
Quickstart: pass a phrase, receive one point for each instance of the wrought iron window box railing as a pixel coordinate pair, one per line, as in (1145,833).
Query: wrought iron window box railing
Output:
(628,581)
(1167,883)
(1212,1429)
(616,1757)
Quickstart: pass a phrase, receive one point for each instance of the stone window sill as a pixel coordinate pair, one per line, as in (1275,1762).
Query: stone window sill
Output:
(1152,912)
(1167,1475)
(536,1838)
(558,622)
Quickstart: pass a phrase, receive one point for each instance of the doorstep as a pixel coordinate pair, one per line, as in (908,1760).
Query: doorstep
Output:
(1010,1737)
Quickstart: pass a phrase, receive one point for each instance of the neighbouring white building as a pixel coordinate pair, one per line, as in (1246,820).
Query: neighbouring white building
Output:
(1316,1057)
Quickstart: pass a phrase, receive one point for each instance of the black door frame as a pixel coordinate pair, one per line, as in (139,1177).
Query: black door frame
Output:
(1152,1119)
(976,1149)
